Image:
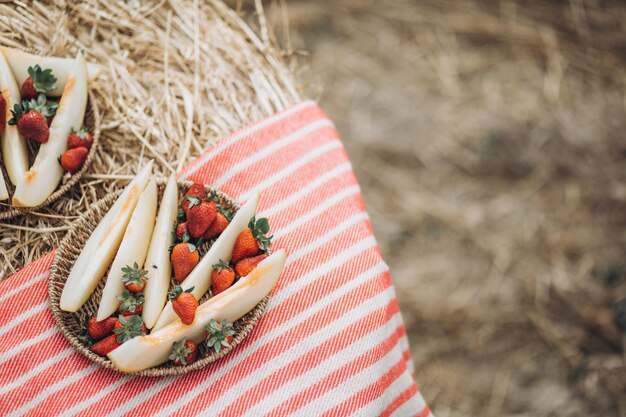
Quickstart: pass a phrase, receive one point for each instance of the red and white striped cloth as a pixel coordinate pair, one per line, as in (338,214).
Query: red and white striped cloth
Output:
(332,342)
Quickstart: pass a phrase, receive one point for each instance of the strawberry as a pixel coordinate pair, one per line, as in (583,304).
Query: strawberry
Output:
(246,265)
(39,81)
(30,118)
(219,334)
(184,352)
(181,229)
(106,345)
(134,279)
(73,159)
(196,190)
(252,240)
(79,138)
(127,328)
(130,303)
(119,324)
(200,217)
(222,277)
(184,258)
(217,227)
(3,112)
(100,329)
(184,304)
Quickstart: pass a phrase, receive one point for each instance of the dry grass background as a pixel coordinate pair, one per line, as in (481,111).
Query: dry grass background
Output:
(489,138)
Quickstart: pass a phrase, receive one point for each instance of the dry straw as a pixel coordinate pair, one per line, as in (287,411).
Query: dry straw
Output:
(178,76)
(71,324)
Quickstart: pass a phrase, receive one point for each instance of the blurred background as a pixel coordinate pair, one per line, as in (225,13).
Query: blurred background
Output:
(490,142)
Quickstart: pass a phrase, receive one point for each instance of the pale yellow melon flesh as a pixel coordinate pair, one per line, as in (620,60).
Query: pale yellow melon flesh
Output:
(101,246)
(144,352)
(133,249)
(43,177)
(14,150)
(61,67)
(200,276)
(158,260)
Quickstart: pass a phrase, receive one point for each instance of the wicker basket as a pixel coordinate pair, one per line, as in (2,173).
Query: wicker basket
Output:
(92,122)
(72,323)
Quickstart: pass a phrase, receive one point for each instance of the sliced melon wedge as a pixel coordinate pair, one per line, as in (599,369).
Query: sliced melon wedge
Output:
(102,245)
(61,67)
(158,259)
(14,150)
(144,352)
(43,177)
(133,249)
(4,193)
(200,277)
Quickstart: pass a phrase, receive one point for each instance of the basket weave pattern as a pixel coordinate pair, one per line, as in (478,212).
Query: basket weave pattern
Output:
(72,323)
(92,122)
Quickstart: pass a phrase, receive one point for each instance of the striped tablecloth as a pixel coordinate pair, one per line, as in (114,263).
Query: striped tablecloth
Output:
(332,342)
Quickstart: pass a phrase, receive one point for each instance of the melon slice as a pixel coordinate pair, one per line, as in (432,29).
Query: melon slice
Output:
(43,177)
(61,67)
(158,259)
(144,352)
(200,277)
(102,245)
(14,150)
(133,249)
(4,193)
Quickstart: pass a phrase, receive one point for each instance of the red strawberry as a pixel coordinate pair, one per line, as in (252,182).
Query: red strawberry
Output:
(124,330)
(200,217)
(184,304)
(222,277)
(181,229)
(134,278)
(219,334)
(217,227)
(130,303)
(245,266)
(106,345)
(3,113)
(184,258)
(120,325)
(80,138)
(184,352)
(252,240)
(100,329)
(196,190)
(30,118)
(73,159)
(39,81)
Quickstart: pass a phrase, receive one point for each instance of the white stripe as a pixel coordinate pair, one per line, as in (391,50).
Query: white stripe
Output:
(410,408)
(379,405)
(339,260)
(327,204)
(324,239)
(285,357)
(35,370)
(271,149)
(352,385)
(318,306)
(307,189)
(50,390)
(313,375)
(199,162)
(291,168)
(23,286)
(28,343)
(91,400)
(25,315)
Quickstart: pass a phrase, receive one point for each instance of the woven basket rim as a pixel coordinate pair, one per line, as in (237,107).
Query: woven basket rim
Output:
(57,279)
(8,211)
